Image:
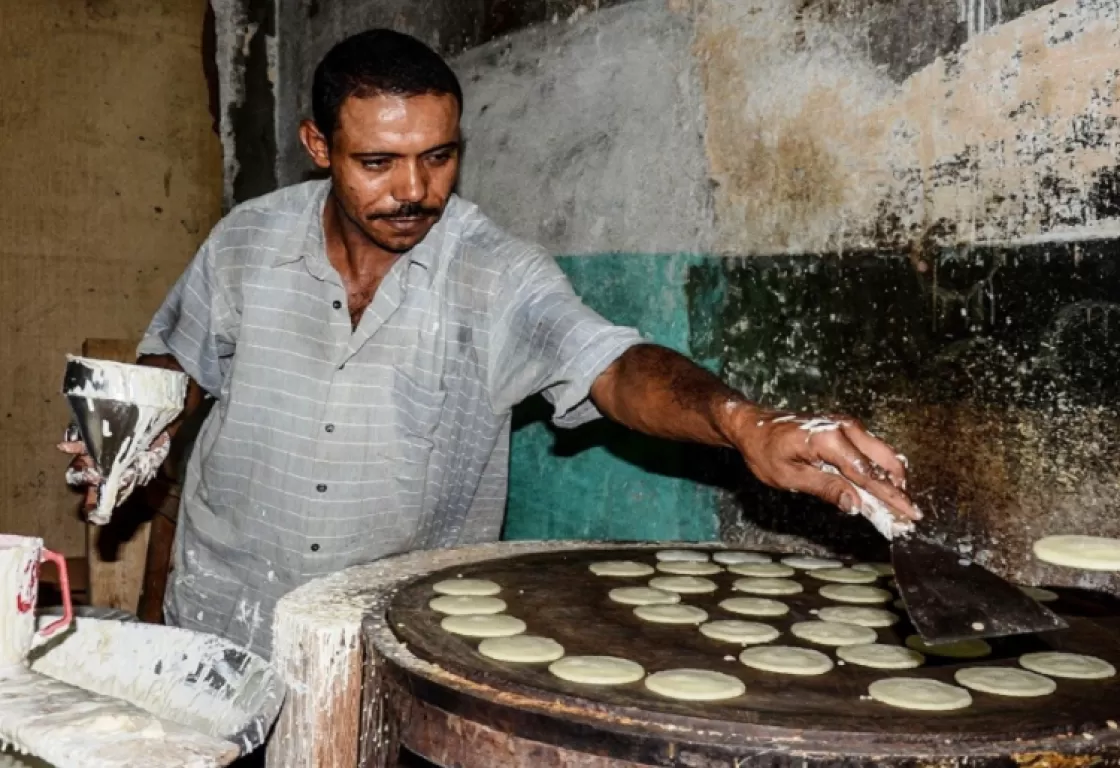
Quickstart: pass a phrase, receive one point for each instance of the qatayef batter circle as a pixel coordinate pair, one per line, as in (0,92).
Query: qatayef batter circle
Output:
(733,557)
(465,605)
(1005,681)
(964,649)
(754,606)
(844,575)
(671,614)
(521,649)
(1070,665)
(467,587)
(1039,594)
(1090,553)
(683,584)
(762,570)
(809,563)
(479,625)
(881,656)
(854,593)
(833,633)
(742,632)
(882,569)
(688,568)
(681,556)
(919,693)
(695,685)
(597,670)
(854,614)
(757,586)
(786,660)
(643,596)
(622,568)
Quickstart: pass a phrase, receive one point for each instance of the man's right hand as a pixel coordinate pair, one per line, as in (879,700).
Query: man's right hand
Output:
(83,473)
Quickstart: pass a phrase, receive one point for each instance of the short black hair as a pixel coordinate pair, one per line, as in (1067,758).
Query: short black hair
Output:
(377,61)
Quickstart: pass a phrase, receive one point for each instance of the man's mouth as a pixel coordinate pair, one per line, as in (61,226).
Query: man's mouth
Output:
(405,223)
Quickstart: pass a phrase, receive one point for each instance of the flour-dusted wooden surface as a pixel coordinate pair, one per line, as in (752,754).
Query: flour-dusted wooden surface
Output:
(317,649)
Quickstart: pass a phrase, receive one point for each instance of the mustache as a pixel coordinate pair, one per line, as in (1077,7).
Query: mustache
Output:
(408,210)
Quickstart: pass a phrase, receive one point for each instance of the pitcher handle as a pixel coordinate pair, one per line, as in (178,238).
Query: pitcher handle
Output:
(64,585)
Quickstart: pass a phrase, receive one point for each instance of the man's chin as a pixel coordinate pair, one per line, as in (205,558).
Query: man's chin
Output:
(399,243)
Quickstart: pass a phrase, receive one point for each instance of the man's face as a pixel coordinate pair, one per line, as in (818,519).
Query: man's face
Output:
(393,162)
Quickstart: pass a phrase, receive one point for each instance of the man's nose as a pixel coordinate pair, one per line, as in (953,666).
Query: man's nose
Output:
(410,184)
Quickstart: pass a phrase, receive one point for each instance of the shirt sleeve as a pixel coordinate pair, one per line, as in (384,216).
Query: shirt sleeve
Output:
(544,339)
(196,324)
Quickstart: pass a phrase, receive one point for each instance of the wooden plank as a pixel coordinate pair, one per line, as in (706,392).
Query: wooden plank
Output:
(117,551)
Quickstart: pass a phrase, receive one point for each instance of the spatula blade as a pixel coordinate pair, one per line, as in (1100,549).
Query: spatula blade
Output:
(950,598)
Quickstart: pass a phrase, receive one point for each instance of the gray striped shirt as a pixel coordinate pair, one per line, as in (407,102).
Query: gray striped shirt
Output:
(328,446)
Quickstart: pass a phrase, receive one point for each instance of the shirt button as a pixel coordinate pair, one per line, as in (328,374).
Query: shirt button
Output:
(321,488)
(329,427)
(314,547)
(337,304)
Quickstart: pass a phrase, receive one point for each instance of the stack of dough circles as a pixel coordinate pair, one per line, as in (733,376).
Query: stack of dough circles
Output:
(810,563)
(855,593)
(736,558)
(521,649)
(854,614)
(919,693)
(754,606)
(483,625)
(682,556)
(742,632)
(597,670)
(963,649)
(1039,594)
(464,605)
(786,660)
(683,584)
(1089,553)
(695,685)
(689,568)
(643,596)
(844,575)
(881,569)
(467,587)
(833,633)
(1070,665)
(623,568)
(762,570)
(881,656)
(671,614)
(1005,681)
(757,586)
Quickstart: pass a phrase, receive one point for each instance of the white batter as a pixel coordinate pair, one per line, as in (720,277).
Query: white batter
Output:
(754,606)
(844,575)
(756,586)
(882,569)
(671,614)
(762,570)
(695,685)
(623,568)
(467,587)
(786,660)
(1039,594)
(689,568)
(643,596)
(742,632)
(919,693)
(597,670)
(734,557)
(1005,681)
(484,625)
(521,649)
(684,584)
(881,656)
(810,563)
(853,614)
(965,649)
(855,593)
(1071,665)
(681,555)
(1090,553)
(833,633)
(465,605)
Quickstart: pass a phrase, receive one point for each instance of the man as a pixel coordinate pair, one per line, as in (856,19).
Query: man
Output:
(366,338)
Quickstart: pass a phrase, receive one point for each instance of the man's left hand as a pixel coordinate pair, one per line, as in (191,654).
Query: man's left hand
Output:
(833,458)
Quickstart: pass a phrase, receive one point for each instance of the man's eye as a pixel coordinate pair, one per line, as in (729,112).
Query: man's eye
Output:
(375,165)
(439,158)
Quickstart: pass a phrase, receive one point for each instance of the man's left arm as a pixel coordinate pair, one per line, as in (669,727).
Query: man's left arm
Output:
(659,392)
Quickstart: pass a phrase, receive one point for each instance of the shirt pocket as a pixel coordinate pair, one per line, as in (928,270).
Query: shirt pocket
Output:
(417,411)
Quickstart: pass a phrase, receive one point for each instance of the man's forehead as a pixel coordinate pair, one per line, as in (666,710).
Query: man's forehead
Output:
(400,118)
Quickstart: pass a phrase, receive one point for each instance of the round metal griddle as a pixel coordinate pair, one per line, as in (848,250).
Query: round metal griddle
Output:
(782,719)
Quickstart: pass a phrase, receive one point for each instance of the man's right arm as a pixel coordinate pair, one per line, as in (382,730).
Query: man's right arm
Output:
(195,398)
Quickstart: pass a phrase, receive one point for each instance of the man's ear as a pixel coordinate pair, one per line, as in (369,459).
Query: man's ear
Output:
(316,144)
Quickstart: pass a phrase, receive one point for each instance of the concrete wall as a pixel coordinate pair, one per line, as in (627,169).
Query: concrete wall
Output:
(111,179)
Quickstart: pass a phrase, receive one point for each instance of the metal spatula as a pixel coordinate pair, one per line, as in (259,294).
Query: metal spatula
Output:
(950,598)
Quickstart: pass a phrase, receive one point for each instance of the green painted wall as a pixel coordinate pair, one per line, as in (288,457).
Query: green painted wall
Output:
(601,481)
